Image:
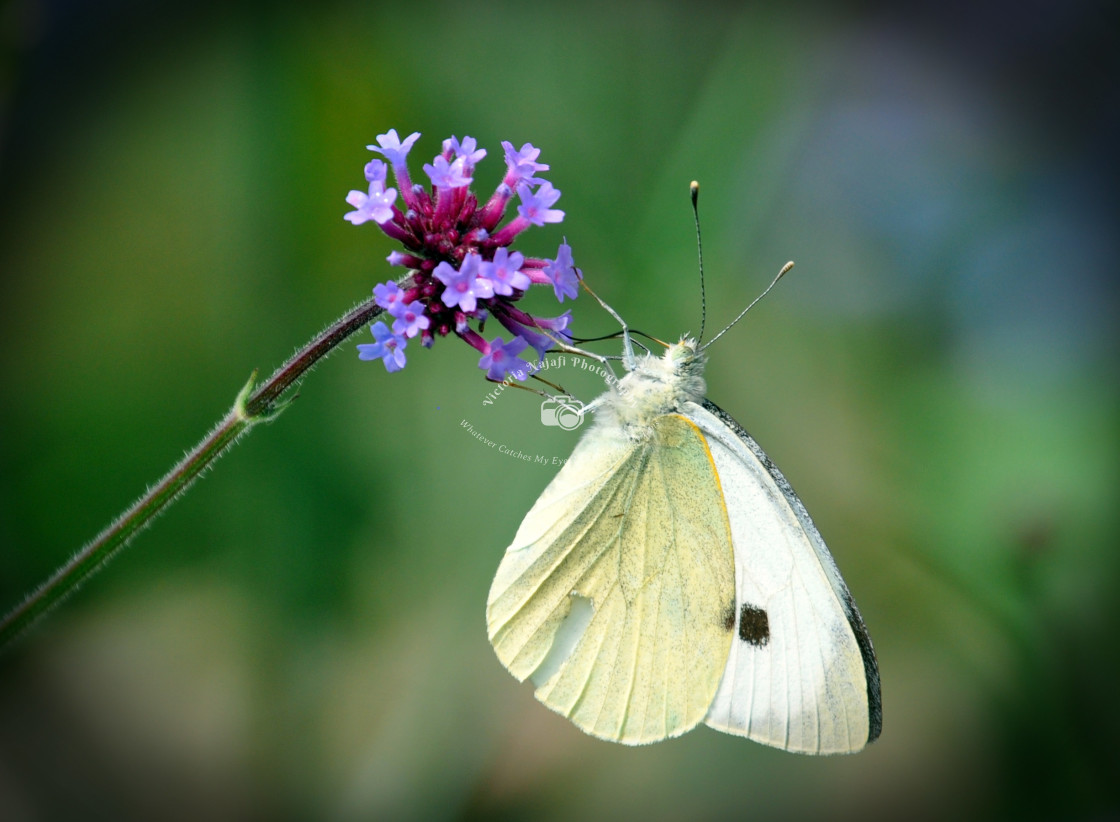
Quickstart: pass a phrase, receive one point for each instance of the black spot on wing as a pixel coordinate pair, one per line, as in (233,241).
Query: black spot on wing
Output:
(754,626)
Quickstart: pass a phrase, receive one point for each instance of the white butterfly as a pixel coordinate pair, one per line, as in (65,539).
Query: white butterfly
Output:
(669,575)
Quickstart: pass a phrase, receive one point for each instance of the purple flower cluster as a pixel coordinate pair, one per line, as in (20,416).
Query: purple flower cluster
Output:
(460,266)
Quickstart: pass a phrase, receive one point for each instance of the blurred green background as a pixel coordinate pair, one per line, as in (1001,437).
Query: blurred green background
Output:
(303,635)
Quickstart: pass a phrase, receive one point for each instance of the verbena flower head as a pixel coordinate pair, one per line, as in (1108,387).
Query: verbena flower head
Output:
(461,269)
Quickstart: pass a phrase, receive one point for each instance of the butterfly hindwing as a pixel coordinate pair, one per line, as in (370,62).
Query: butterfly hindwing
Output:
(616,593)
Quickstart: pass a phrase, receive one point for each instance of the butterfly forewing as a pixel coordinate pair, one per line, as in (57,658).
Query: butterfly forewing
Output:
(615,596)
(801,674)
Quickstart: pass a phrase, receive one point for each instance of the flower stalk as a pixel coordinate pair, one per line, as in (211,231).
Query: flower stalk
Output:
(254,405)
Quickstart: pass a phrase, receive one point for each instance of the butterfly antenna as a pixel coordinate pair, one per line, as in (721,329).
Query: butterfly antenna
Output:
(694,189)
(782,273)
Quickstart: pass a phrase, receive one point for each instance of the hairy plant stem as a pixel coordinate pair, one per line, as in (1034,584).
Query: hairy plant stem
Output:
(252,406)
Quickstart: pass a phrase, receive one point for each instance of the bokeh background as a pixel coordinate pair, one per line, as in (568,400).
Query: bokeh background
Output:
(302,636)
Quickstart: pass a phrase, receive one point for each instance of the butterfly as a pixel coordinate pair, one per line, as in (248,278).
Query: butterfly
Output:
(669,575)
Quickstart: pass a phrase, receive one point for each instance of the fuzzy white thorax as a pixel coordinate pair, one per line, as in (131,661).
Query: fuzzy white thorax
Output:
(656,386)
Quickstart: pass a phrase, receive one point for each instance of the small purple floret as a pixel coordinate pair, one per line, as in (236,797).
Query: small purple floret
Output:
(523,163)
(377,172)
(389,347)
(563,275)
(388,295)
(376,206)
(410,319)
(467,149)
(447,175)
(504,273)
(392,147)
(502,359)
(463,287)
(536,206)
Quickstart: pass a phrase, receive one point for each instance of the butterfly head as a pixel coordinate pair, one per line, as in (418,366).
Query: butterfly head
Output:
(686,359)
